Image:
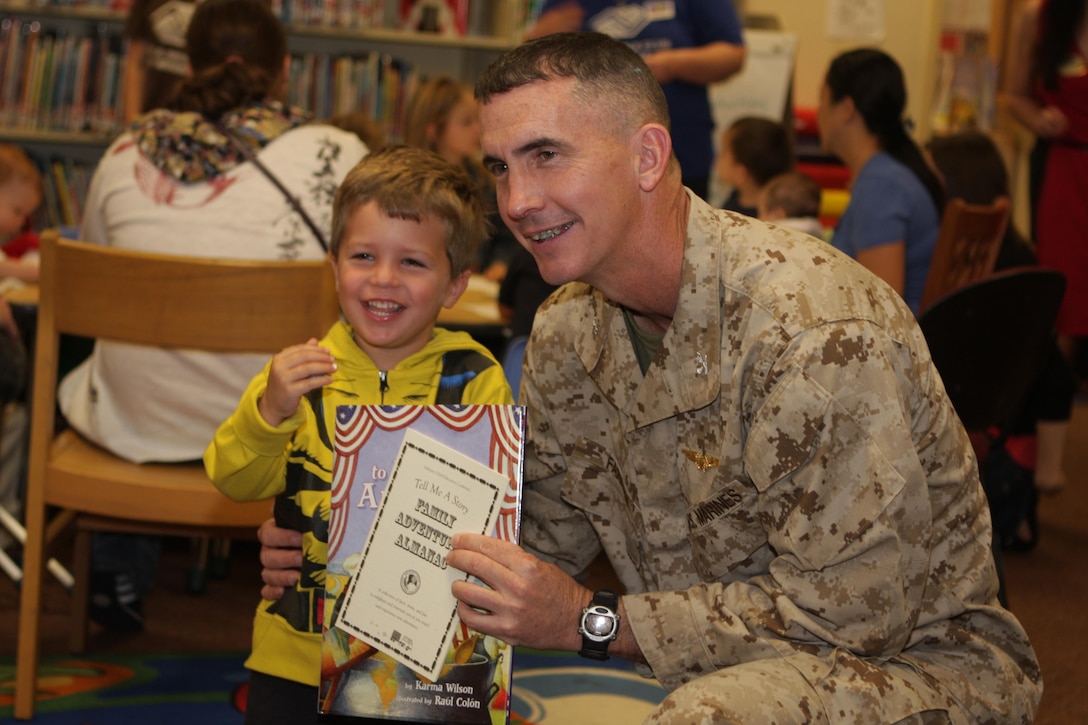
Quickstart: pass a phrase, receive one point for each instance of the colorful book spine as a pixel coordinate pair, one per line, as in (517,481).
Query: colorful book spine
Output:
(64,198)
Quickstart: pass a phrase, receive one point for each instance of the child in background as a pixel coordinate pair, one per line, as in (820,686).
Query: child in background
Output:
(405,225)
(443,117)
(20,195)
(792,200)
(754,151)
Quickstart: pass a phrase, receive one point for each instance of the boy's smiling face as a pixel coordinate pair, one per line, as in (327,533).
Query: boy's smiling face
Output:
(393,277)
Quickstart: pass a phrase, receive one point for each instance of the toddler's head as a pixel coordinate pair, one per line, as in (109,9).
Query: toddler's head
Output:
(20,190)
(792,195)
(754,150)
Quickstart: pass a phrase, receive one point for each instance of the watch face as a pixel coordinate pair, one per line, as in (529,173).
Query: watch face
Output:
(599,624)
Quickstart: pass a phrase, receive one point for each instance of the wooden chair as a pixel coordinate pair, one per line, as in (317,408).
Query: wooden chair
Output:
(967,246)
(223,306)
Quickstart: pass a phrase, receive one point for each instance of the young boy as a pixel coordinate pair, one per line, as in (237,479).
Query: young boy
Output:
(754,150)
(792,200)
(405,224)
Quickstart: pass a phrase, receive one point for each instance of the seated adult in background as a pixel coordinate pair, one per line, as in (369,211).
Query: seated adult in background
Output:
(894,215)
(745,422)
(792,200)
(442,116)
(1031,459)
(688,45)
(174,184)
(753,151)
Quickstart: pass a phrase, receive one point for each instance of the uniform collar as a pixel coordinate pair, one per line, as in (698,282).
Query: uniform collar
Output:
(685,373)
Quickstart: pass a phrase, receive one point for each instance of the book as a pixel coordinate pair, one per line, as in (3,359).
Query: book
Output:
(64,198)
(414,661)
(442,17)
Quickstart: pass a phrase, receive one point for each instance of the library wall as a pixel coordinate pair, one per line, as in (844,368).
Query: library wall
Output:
(909,31)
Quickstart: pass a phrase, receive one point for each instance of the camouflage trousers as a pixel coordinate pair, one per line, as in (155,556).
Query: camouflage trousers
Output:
(808,690)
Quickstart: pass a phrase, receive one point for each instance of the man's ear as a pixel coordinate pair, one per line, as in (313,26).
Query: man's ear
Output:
(846,109)
(655,154)
(457,288)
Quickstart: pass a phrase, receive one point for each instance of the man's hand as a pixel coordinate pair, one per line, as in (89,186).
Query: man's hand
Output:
(529,601)
(281,557)
(294,372)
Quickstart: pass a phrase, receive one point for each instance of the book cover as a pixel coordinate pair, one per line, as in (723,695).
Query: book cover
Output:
(376,449)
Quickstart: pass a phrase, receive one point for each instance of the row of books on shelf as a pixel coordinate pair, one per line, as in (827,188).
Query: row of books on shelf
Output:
(331,13)
(449,18)
(117,6)
(376,84)
(64,189)
(54,81)
(60,81)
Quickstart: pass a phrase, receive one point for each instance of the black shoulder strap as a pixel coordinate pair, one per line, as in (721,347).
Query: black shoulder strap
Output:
(459,368)
(247,153)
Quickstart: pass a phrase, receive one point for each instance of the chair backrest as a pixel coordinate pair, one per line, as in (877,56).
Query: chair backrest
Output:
(989,340)
(173,302)
(967,246)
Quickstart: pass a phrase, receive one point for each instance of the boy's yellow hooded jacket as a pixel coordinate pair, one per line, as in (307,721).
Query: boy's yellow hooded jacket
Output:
(249,459)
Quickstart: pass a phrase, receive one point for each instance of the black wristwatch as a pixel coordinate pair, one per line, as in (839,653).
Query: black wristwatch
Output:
(600,624)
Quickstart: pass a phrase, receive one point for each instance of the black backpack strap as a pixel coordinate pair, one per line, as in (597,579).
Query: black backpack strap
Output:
(459,368)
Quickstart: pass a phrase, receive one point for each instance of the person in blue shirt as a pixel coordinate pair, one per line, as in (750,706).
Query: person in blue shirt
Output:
(688,44)
(893,218)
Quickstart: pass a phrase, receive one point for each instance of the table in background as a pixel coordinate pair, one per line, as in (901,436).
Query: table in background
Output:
(477,313)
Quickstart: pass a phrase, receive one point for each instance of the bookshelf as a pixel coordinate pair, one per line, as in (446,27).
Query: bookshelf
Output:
(61,65)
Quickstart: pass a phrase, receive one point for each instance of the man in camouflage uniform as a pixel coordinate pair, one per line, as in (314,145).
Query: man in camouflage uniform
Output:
(745,421)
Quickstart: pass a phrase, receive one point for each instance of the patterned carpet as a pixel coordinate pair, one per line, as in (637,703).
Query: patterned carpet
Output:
(549,689)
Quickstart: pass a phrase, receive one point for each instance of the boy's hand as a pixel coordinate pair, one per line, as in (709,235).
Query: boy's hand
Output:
(294,372)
